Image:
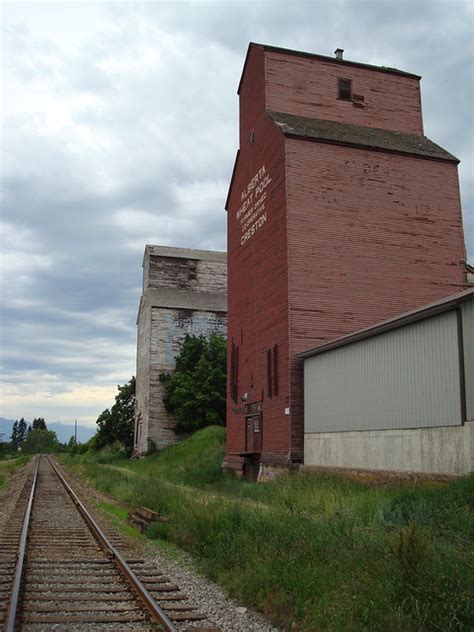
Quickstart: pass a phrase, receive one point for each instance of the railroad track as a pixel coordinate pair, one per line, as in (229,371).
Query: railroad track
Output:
(60,571)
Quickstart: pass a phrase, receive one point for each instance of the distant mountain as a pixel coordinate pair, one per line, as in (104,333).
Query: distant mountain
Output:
(63,431)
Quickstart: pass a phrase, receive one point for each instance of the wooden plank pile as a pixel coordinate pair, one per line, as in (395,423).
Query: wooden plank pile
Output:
(142,517)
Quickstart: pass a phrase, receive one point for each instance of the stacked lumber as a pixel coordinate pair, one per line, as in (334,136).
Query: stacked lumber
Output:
(142,517)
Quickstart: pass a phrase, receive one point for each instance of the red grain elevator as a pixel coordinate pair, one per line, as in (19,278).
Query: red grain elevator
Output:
(341,213)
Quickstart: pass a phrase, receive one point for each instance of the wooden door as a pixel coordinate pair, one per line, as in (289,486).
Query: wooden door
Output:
(253,433)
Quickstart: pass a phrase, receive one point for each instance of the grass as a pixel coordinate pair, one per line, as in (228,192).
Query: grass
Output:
(8,466)
(118,517)
(115,510)
(313,552)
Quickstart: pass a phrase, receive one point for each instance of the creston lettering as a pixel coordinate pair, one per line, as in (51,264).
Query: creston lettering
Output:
(253,229)
(252,214)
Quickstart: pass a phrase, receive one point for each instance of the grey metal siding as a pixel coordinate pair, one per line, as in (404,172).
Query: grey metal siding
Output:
(405,378)
(467,310)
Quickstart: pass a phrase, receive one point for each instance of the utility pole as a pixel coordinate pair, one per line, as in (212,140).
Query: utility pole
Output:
(75,431)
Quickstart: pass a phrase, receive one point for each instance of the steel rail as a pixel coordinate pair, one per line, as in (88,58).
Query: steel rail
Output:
(15,594)
(156,613)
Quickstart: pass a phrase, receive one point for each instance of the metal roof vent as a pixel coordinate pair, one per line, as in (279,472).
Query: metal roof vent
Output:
(339,52)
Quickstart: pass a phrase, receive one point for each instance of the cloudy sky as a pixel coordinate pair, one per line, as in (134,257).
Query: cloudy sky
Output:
(120,129)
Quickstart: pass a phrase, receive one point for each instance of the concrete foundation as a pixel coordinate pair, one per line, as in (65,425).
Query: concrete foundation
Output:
(444,450)
(271,472)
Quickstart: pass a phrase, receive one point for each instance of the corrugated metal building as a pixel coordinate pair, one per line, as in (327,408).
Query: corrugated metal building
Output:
(341,214)
(396,396)
(184,292)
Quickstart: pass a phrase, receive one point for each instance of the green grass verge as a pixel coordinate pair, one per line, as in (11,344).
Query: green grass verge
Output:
(313,552)
(118,515)
(8,466)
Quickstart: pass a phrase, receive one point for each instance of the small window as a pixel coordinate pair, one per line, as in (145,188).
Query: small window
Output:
(344,89)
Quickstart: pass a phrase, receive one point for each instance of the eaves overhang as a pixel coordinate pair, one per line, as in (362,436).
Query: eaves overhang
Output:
(372,138)
(174,298)
(413,316)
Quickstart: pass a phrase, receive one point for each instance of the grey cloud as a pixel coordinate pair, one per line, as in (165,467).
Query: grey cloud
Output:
(159,142)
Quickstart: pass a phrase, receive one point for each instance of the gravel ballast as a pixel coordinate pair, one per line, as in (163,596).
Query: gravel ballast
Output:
(207,596)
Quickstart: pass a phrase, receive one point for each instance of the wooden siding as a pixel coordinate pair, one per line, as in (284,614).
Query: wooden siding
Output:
(257,272)
(142,384)
(370,235)
(351,236)
(163,327)
(308,87)
(192,274)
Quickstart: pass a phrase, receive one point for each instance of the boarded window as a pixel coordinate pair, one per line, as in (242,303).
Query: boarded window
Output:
(272,371)
(232,368)
(234,372)
(275,370)
(344,89)
(269,373)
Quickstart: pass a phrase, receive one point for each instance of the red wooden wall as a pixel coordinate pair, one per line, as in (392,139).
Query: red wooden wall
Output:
(324,239)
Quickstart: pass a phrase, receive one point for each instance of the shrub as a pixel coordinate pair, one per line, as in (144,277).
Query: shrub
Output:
(196,391)
(117,423)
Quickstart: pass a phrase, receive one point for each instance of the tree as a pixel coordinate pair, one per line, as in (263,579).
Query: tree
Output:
(39,424)
(18,433)
(117,423)
(41,441)
(196,391)
(22,428)
(71,443)
(14,437)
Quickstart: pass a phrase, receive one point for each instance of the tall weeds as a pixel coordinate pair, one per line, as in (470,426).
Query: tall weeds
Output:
(320,553)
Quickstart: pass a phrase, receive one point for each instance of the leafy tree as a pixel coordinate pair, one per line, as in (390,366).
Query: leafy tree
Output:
(71,443)
(22,428)
(117,423)
(39,441)
(39,424)
(196,391)
(14,437)
(18,433)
